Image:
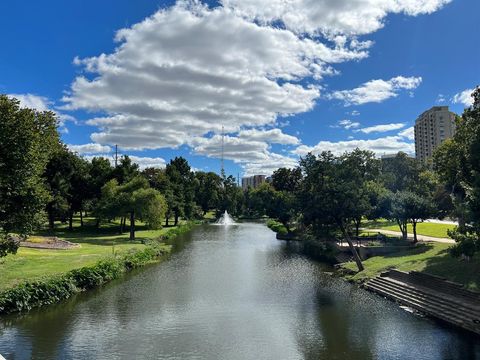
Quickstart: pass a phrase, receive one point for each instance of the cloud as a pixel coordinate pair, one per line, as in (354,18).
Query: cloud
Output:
(381,146)
(42,103)
(348,124)
(464,97)
(381,128)
(440,98)
(351,17)
(355,113)
(89,148)
(190,70)
(273,136)
(376,91)
(252,155)
(142,161)
(408,133)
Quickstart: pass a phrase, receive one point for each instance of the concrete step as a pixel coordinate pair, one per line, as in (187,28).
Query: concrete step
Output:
(442,298)
(432,302)
(419,306)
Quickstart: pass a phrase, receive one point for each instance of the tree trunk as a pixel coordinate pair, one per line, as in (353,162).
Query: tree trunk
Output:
(414,225)
(176,219)
(166,221)
(81,218)
(356,257)
(122,224)
(51,220)
(403,229)
(357,227)
(70,220)
(132,225)
(97,224)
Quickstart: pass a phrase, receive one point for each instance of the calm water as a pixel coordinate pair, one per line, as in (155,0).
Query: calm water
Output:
(230,293)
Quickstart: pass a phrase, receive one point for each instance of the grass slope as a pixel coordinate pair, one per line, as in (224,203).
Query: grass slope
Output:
(32,264)
(429,258)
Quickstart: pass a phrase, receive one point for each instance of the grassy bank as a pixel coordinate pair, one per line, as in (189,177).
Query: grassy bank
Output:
(432,258)
(95,244)
(427,229)
(38,277)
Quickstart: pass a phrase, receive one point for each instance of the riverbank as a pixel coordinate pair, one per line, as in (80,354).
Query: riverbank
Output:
(51,276)
(429,258)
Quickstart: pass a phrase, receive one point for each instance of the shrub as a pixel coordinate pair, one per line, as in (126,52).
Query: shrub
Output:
(277,227)
(32,294)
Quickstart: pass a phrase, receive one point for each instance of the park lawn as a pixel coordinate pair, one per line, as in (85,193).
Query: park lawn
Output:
(95,244)
(431,258)
(427,229)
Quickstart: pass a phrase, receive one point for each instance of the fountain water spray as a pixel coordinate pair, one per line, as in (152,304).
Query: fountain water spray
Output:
(225,219)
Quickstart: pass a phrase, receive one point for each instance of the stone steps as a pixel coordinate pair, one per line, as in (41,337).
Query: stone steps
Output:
(459,312)
(434,303)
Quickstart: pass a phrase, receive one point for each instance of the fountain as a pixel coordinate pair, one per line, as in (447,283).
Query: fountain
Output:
(225,219)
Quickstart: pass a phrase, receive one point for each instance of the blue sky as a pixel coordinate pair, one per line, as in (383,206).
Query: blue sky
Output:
(319,75)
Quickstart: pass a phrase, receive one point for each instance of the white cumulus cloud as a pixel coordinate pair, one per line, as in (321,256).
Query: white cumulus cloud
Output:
(464,97)
(376,91)
(382,128)
(380,146)
(330,17)
(91,148)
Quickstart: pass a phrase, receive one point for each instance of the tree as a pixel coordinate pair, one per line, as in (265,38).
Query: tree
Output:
(458,163)
(66,176)
(126,170)
(208,189)
(285,179)
(27,140)
(180,179)
(329,195)
(135,199)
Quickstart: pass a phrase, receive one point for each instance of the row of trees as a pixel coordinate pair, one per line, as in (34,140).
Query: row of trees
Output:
(42,181)
(325,195)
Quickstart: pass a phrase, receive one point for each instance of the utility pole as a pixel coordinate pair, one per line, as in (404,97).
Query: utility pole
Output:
(116,155)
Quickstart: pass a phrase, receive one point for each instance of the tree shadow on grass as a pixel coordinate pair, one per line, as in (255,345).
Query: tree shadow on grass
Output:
(455,269)
(416,250)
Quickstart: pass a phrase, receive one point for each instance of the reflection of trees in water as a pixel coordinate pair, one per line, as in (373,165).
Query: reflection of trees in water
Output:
(325,330)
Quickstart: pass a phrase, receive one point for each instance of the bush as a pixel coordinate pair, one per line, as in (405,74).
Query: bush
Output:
(29,295)
(277,227)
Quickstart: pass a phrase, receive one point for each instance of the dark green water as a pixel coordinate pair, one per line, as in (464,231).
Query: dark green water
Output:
(230,293)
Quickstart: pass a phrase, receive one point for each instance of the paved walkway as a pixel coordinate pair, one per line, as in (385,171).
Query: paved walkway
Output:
(419,237)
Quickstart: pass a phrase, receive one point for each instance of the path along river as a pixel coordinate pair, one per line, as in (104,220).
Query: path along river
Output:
(230,292)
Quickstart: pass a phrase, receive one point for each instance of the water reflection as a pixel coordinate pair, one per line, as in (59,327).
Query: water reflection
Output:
(230,293)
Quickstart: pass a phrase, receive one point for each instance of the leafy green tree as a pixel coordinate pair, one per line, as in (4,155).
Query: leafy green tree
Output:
(126,170)
(180,179)
(458,163)
(208,189)
(329,195)
(27,140)
(135,199)
(66,176)
(285,179)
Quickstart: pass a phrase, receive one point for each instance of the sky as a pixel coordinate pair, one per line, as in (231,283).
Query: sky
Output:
(279,78)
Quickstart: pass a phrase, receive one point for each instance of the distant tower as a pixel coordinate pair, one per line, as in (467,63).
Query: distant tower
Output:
(222,171)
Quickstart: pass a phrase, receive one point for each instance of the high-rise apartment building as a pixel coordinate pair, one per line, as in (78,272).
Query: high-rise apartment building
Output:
(432,128)
(252,181)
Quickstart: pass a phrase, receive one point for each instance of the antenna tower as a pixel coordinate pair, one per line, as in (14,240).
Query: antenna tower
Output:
(222,171)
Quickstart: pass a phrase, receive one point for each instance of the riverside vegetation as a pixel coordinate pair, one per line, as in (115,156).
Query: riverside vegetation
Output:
(327,196)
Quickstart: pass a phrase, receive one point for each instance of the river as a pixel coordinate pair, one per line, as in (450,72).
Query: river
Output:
(230,293)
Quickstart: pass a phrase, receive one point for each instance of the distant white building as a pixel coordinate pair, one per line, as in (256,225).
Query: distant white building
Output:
(253,181)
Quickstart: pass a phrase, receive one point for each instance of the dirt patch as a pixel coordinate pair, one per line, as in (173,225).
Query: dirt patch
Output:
(49,243)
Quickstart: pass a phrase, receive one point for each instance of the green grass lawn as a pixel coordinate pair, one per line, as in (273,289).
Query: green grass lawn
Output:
(95,244)
(427,229)
(429,258)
